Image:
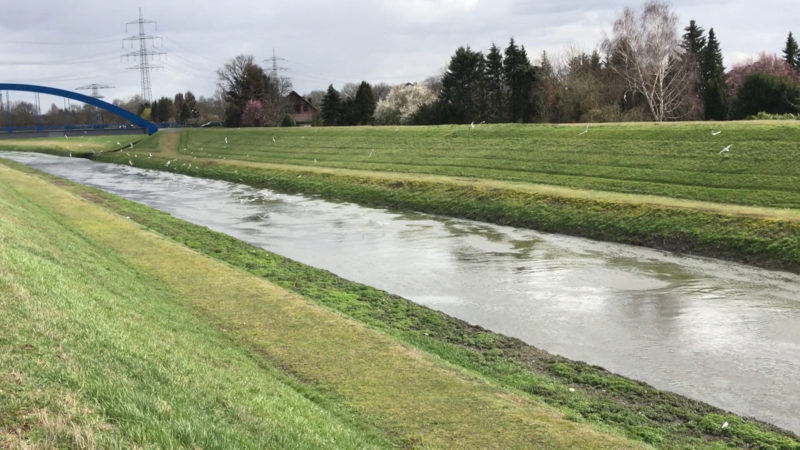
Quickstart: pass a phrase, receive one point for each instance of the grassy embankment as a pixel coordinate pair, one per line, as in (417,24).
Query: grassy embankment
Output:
(585,394)
(663,186)
(113,336)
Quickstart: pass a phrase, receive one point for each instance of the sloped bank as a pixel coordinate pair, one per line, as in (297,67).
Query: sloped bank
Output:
(585,392)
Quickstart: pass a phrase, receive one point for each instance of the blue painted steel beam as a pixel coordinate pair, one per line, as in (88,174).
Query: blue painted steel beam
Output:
(150,127)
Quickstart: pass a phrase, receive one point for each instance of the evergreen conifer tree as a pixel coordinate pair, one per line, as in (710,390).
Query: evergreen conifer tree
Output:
(463,86)
(331,107)
(712,79)
(520,78)
(364,104)
(694,40)
(791,53)
(495,86)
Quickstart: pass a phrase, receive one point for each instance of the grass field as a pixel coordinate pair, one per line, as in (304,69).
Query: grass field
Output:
(110,364)
(113,336)
(677,160)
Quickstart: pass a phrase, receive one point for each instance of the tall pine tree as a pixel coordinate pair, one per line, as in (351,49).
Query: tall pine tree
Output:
(712,80)
(694,44)
(463,86)
(495,86)
(694,40)
(520,77)
(364,104)
(332,107)
(791,53)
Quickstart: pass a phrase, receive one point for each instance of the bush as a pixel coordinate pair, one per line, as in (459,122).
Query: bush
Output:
(761,92)
(767,116)
(287,121)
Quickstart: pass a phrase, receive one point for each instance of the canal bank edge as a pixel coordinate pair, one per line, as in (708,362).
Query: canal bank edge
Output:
(765,242)
(584,392)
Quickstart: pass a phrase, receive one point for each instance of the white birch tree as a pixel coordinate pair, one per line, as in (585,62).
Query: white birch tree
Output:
(645,51)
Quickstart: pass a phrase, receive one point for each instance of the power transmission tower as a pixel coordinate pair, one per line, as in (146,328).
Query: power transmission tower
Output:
(275,68)
(143,55)
(95,89)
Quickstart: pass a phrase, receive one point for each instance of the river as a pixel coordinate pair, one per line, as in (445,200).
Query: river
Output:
(720,332)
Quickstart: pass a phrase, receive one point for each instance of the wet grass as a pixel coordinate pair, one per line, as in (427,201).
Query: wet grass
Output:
(114,336)
(586,394)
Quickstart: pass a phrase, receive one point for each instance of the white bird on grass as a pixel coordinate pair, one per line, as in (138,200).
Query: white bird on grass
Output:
(167,164)
(585,130)
(226,139)
(131,144)
(273,138)
(472,125)
(118,143)
(725,425)
(130,162)
(66,137)
(725,150)
(715,132)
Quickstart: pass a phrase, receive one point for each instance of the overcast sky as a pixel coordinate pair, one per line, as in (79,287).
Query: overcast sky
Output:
(320,42)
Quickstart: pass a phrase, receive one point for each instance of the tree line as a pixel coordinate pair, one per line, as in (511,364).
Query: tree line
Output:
(647,71)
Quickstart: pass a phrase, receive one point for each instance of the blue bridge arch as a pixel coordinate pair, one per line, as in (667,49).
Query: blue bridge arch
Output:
(149,127)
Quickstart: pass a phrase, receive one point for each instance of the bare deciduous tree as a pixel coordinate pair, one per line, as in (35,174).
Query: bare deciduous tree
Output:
(645,51)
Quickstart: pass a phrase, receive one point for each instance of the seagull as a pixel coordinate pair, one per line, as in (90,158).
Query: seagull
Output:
(585,130)
(715,132)
(725,150)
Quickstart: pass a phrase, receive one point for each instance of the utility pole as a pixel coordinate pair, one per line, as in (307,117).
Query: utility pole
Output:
(143,55)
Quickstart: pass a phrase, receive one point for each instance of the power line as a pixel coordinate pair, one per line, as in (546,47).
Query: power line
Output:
(144,55)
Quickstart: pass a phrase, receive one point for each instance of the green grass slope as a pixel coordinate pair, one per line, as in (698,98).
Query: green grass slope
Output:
(113,336)
(679,160)
(362,378)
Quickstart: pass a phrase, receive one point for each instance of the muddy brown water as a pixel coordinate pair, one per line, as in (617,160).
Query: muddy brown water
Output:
(724,333)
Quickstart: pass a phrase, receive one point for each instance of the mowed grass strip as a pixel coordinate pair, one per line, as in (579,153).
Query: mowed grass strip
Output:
(680,160)
(77,145)
(413,397)
(94,353)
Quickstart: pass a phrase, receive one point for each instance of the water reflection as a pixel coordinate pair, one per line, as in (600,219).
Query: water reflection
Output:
(724,333)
